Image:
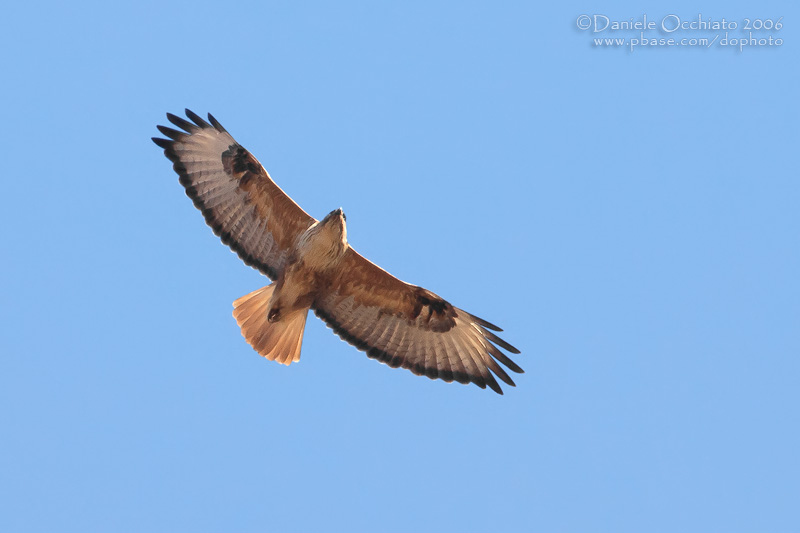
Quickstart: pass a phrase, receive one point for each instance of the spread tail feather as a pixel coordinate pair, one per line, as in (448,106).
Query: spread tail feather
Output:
(278,341)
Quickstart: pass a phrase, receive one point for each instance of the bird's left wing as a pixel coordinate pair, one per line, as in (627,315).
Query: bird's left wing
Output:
(407,326)
(238,199)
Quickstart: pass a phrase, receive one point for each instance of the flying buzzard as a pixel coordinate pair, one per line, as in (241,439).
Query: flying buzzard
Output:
(313,267)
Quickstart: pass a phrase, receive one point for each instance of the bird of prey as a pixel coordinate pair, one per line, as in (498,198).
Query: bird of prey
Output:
(313,267)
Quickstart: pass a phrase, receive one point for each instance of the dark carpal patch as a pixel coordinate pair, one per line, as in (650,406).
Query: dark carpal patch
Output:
(237,161)
(437,312)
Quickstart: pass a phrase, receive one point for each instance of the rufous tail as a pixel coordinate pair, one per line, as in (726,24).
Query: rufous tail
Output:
(277,341)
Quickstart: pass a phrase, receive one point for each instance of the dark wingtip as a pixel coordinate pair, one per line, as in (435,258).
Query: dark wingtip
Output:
(197,119)
(494,386)
(182,123)
(499,372)
(169,132)
(492,383)
(500,342)
(511,348)
(216,124)
(166,144)
(484,323)
(495,352)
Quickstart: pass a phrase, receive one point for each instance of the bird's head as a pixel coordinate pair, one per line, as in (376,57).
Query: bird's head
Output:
(336,222)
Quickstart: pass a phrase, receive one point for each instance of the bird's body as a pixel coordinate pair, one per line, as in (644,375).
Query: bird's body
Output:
(312,262)
(315,268)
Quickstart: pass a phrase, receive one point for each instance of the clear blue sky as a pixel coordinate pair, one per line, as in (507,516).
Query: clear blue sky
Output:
(629,218)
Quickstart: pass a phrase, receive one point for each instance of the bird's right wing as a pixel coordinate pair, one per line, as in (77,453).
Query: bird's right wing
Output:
(237,197)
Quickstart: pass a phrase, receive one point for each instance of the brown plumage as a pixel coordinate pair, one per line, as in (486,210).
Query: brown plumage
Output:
(313,267)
